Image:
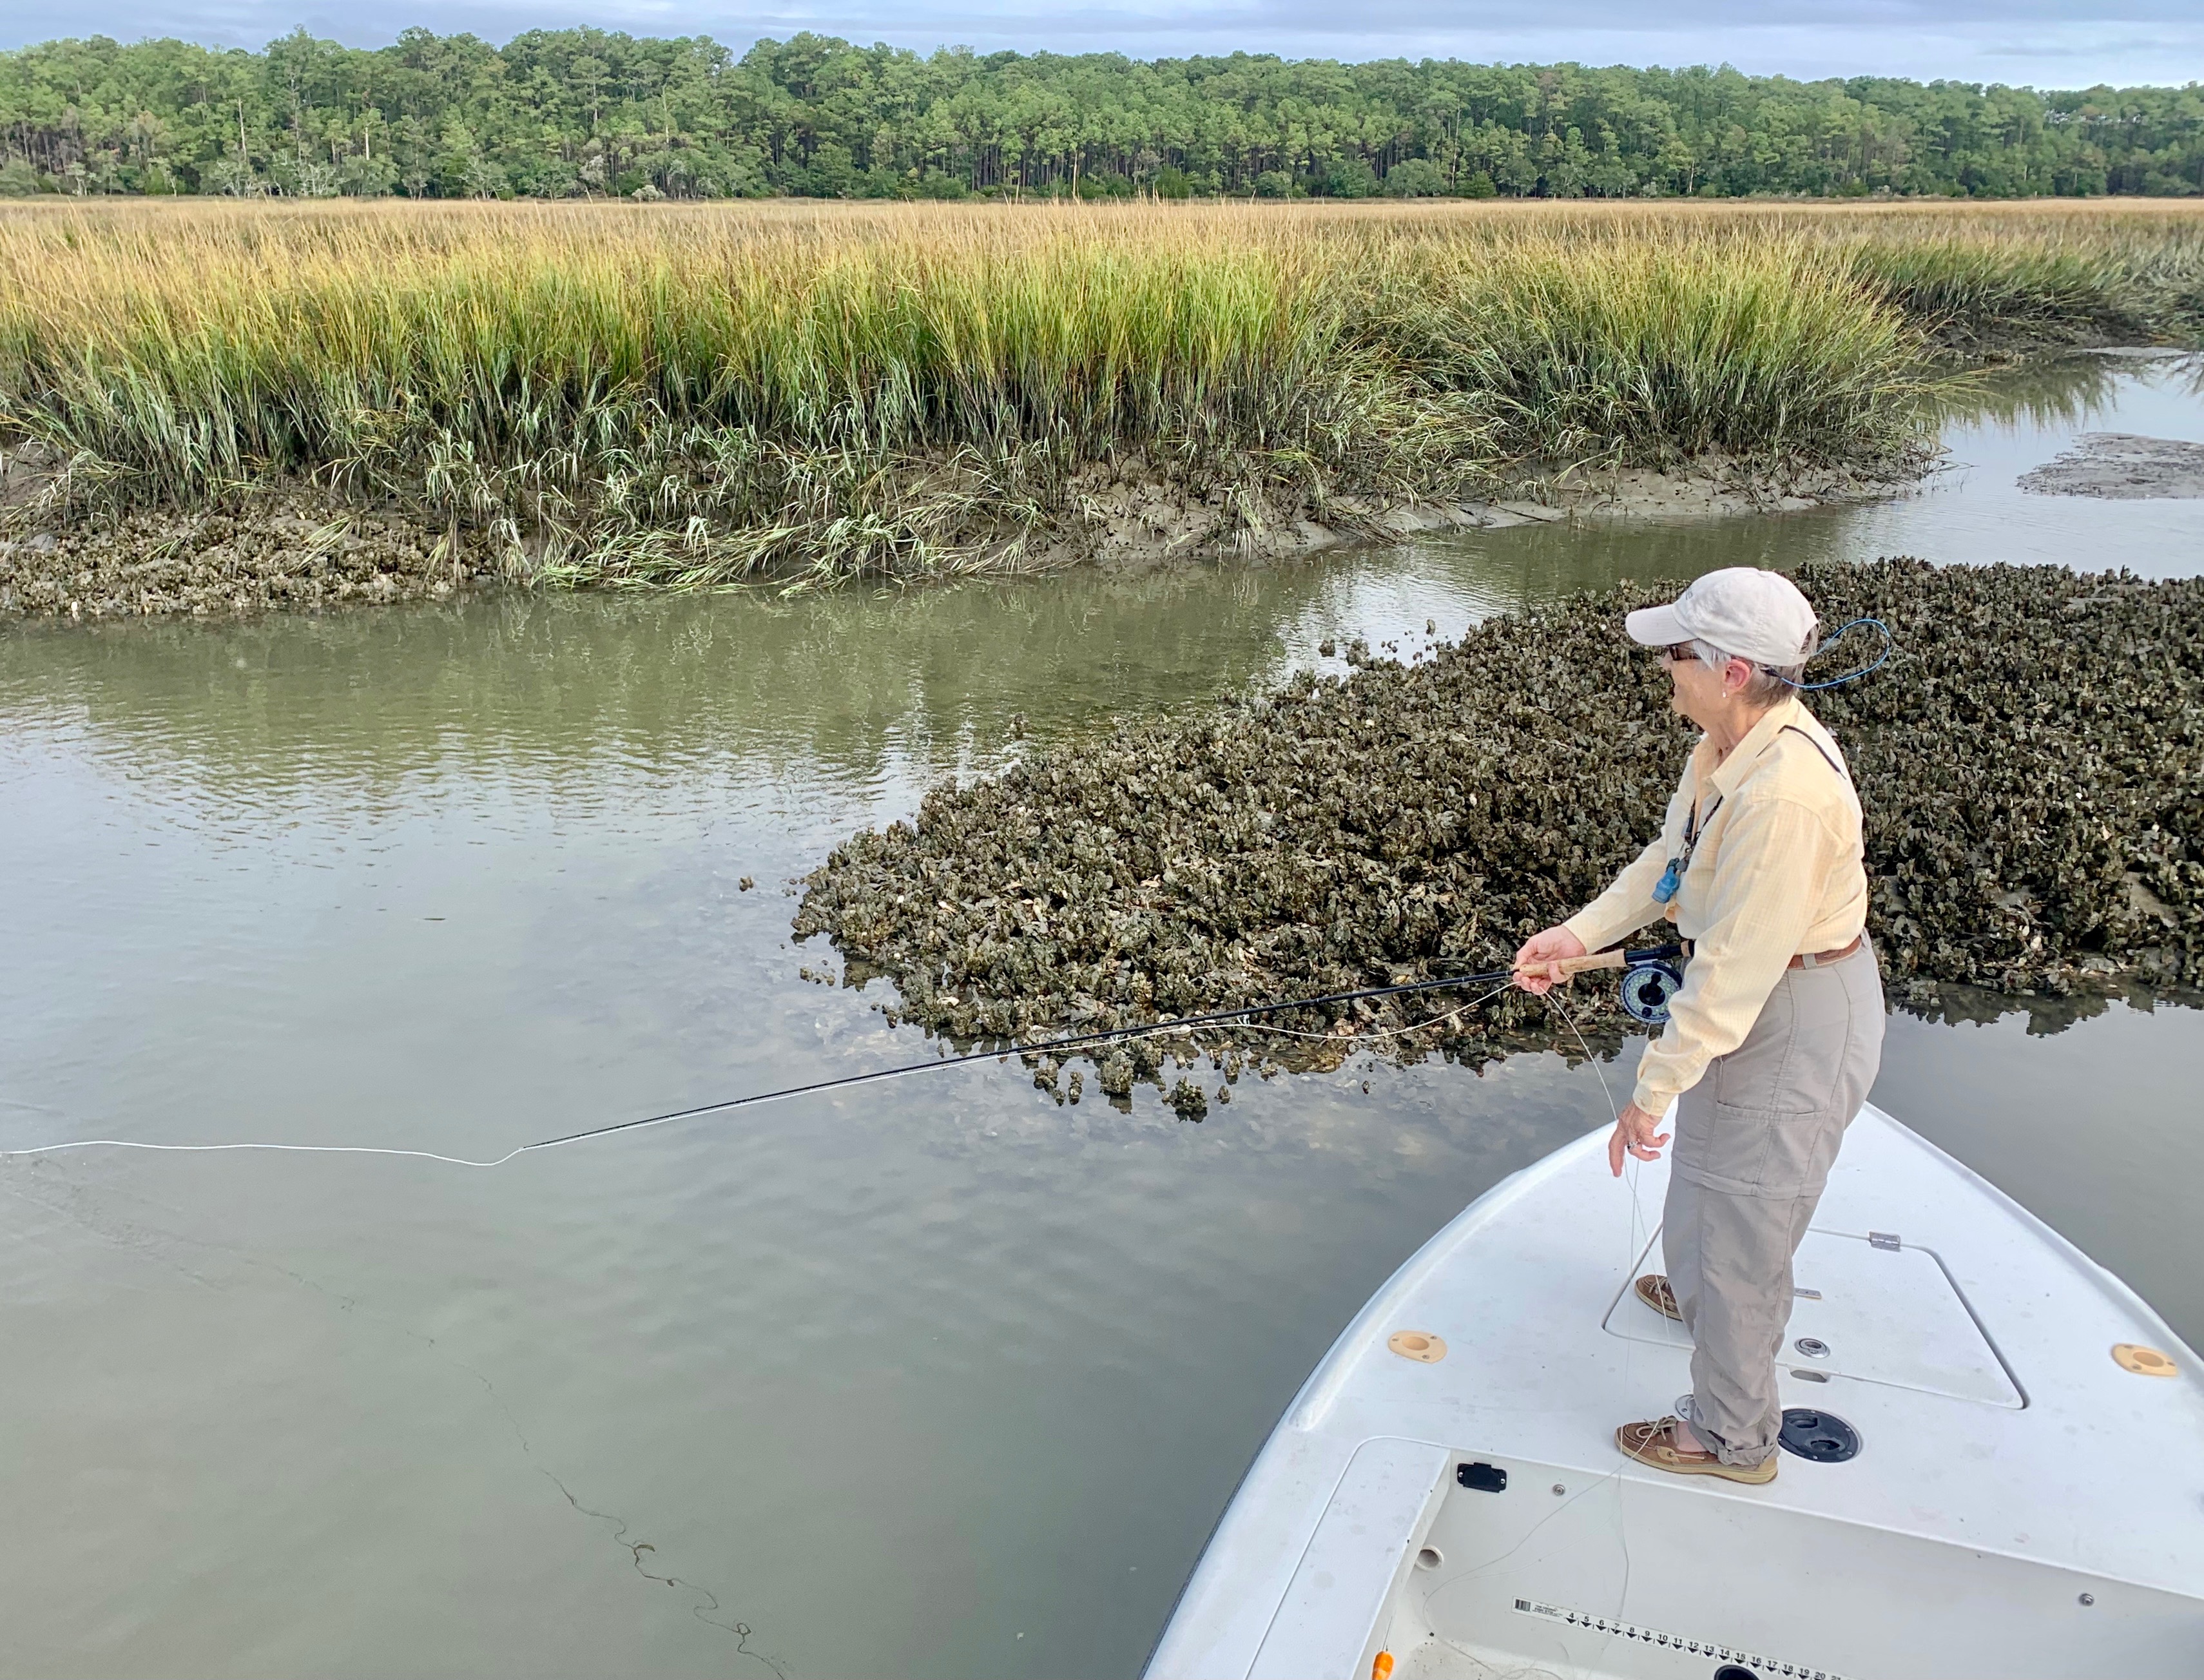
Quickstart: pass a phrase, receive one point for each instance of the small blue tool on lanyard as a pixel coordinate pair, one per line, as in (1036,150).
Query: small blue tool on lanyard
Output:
(1672,877)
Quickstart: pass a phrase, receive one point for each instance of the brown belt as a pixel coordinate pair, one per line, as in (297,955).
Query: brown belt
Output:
(1816,959)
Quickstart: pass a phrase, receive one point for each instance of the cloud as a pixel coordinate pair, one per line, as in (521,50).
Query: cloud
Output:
(2064,43)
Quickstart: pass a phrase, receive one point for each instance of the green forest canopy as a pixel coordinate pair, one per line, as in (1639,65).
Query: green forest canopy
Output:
(560,113)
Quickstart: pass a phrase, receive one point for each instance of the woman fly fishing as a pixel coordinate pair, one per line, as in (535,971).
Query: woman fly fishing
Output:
(1773,1039)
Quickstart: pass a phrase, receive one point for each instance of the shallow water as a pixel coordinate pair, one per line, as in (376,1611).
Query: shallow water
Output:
(928,1378)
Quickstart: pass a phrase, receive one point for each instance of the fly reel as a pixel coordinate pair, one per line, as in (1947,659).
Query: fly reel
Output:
(1647,987)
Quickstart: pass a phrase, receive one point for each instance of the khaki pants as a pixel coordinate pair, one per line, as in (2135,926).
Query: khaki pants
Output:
(1755,1140)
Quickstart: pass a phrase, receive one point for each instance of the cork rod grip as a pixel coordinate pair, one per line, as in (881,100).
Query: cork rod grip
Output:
(1563,968)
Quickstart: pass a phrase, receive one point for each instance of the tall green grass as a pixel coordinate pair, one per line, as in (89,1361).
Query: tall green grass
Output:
(621,392)
(1639,352)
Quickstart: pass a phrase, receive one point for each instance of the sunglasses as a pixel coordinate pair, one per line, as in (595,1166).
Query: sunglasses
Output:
(1676,653)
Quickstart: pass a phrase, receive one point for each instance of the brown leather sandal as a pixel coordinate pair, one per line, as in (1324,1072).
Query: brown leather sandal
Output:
(1654,1445)
(1653,1289)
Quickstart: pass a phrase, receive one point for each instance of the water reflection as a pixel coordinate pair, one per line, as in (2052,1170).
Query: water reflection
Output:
(2043,1017)
(2068,393)
(863,689)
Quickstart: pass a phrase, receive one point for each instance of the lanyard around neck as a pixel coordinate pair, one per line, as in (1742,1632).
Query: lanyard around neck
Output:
(1672,877)
(1694,823)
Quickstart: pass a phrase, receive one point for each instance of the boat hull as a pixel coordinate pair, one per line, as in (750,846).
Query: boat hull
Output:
(2020,1502)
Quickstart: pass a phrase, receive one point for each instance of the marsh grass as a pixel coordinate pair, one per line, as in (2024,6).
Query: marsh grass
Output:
(615,393)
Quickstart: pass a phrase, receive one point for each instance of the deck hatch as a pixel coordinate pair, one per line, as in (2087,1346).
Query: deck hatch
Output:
(1876,1312)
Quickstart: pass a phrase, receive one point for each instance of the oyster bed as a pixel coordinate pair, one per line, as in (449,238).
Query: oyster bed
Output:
(245,561)
(2031,762)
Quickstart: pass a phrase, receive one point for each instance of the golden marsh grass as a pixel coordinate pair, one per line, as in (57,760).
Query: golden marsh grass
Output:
(687,392)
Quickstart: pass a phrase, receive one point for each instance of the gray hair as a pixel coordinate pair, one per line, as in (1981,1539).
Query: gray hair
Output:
(1767,683)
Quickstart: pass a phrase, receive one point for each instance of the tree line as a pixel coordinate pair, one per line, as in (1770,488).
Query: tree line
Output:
(583,112)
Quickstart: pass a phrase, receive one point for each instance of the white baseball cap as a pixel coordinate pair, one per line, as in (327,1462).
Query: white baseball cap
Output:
(1756,615)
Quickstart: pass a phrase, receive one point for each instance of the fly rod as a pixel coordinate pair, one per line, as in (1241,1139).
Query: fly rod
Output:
(1654,962)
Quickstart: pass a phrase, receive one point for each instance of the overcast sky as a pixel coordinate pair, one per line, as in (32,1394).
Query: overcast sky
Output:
(2043,42)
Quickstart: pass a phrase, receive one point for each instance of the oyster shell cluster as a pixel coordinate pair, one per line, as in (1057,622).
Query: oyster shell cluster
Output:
(2031,763)
(242,560)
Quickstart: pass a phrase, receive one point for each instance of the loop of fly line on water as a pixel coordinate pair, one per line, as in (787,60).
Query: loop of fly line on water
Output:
(1630,961)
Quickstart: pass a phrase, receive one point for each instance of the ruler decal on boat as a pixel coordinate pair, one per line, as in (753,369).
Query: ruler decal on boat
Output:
(1617,1627)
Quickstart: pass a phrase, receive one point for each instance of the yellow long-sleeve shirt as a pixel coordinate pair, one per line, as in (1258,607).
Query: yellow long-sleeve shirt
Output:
(1779,870)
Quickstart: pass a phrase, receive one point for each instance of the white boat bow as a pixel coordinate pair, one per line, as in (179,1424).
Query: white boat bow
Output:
(2022,1502)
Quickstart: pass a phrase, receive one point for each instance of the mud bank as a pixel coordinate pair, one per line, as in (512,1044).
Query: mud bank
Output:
(2121,466)
(298,552)
(2028,764)
(1143,522)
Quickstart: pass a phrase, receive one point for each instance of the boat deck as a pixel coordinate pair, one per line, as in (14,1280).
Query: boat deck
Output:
(2021,1502)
